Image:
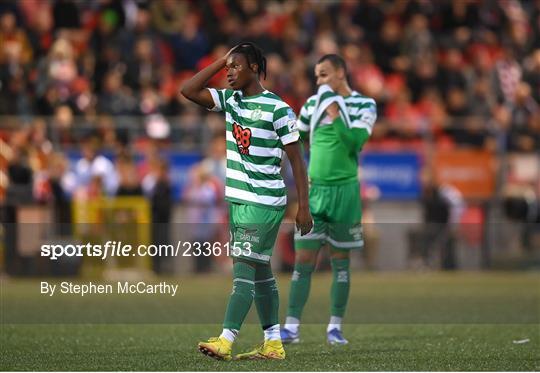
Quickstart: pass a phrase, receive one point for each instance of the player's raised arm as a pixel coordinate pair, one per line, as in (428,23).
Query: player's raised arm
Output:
(195,88)
(304,221)
(353,138)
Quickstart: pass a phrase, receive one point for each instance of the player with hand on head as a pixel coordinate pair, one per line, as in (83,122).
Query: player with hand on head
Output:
(337,121)
(259,128)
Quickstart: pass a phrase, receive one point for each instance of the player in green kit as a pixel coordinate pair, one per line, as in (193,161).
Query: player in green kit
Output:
(337,121)
(259,128)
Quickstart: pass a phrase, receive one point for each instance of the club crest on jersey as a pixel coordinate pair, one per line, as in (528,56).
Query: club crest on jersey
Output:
(256,114)
(242,137)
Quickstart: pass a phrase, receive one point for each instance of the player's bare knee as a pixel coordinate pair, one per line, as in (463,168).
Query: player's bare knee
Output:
(339,254)
(306,257)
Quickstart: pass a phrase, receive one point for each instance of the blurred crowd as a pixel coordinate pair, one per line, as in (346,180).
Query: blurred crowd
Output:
(457,73)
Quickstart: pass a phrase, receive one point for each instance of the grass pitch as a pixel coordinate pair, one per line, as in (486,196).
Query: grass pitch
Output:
(462,321)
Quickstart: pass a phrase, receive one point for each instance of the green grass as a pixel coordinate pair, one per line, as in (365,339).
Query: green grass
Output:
(463,321)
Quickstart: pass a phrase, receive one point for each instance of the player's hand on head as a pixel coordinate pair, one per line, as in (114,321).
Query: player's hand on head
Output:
(304,221)
(228,54)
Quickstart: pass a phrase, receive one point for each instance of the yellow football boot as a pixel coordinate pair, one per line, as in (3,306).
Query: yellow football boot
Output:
(218,348)
(269,350)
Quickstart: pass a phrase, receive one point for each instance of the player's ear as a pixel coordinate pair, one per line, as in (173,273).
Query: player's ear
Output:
(254,67)
(341,73)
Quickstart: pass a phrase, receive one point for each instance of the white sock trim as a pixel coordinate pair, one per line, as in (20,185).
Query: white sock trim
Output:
(229,334)
(272,333)
(267,280)
(292,324)
(335,323)
(243,280)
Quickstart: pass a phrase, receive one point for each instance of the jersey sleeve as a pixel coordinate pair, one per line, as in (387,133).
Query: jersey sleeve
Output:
(303,119)
(285,124)
(368,116)
(219,97)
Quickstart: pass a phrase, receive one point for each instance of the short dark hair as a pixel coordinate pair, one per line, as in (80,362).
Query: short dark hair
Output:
(336,61)
(253,54)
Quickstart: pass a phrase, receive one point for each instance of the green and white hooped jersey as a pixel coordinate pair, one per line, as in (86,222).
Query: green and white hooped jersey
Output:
(257,129)
(330,159)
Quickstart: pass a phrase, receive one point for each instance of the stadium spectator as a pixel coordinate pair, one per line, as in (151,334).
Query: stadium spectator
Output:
(459,19)
(142,70)
(39,18)
(116,99)
(387,48)
(19,192)
(524,125)
(161,199)
(480,94)
(128,181)
(532,74)
(422,76)
(442,207)
(15,55)
(20,178)
(189,45)
(432,108)
(14,41)
(139,27)
(451,74)
(203,196)
(62,183)
(216,159)
(94,172)
(508,74)
(459,110)
(418,40)
(403,118)
(62,124)
(56,74)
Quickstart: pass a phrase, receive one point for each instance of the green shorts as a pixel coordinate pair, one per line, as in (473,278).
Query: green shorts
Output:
(253,231)
(337,216)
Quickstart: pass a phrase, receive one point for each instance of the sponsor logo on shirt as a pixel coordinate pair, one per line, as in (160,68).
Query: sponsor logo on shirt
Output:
(369,116)
(291,123)
(242,137)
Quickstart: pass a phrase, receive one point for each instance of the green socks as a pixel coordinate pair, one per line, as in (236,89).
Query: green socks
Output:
(241,297)
(300,284)
(266,296)
(339,294)
(252,283)
(258,283)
